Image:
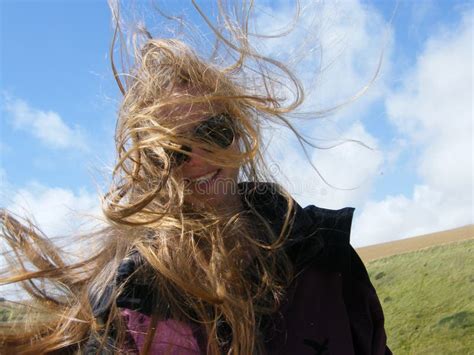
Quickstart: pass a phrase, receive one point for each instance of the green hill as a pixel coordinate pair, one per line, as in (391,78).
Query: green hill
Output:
(428,299)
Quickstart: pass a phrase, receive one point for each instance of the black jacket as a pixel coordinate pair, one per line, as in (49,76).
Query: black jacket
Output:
(330,308)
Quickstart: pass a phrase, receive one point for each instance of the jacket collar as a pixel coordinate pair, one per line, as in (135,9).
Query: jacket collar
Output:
(316,235)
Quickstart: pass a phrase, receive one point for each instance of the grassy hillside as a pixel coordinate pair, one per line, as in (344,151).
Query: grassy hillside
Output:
(428,299)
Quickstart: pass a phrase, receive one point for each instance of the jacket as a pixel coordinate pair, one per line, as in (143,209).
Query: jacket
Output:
(331,307)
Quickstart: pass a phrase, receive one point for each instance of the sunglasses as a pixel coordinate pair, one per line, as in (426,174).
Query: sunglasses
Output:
(217,130)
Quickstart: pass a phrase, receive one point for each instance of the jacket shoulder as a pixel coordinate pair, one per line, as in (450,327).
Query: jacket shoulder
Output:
(322,238)
(335,223)
(362,304)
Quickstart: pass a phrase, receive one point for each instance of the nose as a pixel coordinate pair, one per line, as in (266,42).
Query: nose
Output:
(196,158)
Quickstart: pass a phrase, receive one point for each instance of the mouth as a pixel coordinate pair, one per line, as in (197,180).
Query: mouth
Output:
(205,178)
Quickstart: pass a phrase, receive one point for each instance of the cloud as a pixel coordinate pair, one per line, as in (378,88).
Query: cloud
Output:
(56,211)
(427,210)
(334,48)
(47,126)
(433,111)
(349,167)
(61,214)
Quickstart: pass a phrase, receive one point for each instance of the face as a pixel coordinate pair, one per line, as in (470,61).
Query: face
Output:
(209,185)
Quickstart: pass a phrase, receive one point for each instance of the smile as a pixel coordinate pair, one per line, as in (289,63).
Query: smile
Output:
(205,178)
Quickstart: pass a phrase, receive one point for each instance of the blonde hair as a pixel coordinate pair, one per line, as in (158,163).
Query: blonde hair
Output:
(192,258)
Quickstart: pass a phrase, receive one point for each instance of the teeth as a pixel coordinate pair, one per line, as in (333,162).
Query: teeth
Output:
(205,177)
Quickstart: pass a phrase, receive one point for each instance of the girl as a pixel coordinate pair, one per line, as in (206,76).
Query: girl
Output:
(201,253)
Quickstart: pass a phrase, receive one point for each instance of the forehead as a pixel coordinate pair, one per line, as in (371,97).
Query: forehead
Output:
(189,107)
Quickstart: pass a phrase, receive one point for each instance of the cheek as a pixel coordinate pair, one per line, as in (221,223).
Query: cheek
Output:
(230,175)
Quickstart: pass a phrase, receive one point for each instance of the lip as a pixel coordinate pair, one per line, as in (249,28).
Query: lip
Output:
(205,178)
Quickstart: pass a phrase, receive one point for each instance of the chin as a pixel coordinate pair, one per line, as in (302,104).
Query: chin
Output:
(208,200)
(217,191)
(217,200)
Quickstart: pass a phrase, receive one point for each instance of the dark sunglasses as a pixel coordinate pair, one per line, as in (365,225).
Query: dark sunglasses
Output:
(217,130)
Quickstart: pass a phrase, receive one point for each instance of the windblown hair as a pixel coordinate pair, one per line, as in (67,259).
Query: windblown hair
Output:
(192,258)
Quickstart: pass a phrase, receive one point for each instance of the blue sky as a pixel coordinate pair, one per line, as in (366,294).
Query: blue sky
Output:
(58,104)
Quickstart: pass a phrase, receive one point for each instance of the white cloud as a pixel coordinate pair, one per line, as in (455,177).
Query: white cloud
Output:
(47,126)
(61,214)
(56,211)
(334,48)
(433,111)
(427,210)
(350,168)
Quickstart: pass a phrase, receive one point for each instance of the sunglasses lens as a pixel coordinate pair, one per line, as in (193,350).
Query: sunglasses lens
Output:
(217,130)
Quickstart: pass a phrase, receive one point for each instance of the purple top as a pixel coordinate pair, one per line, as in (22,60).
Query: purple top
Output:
(171,337)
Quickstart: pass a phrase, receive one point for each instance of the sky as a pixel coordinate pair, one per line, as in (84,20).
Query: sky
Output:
(412,175)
